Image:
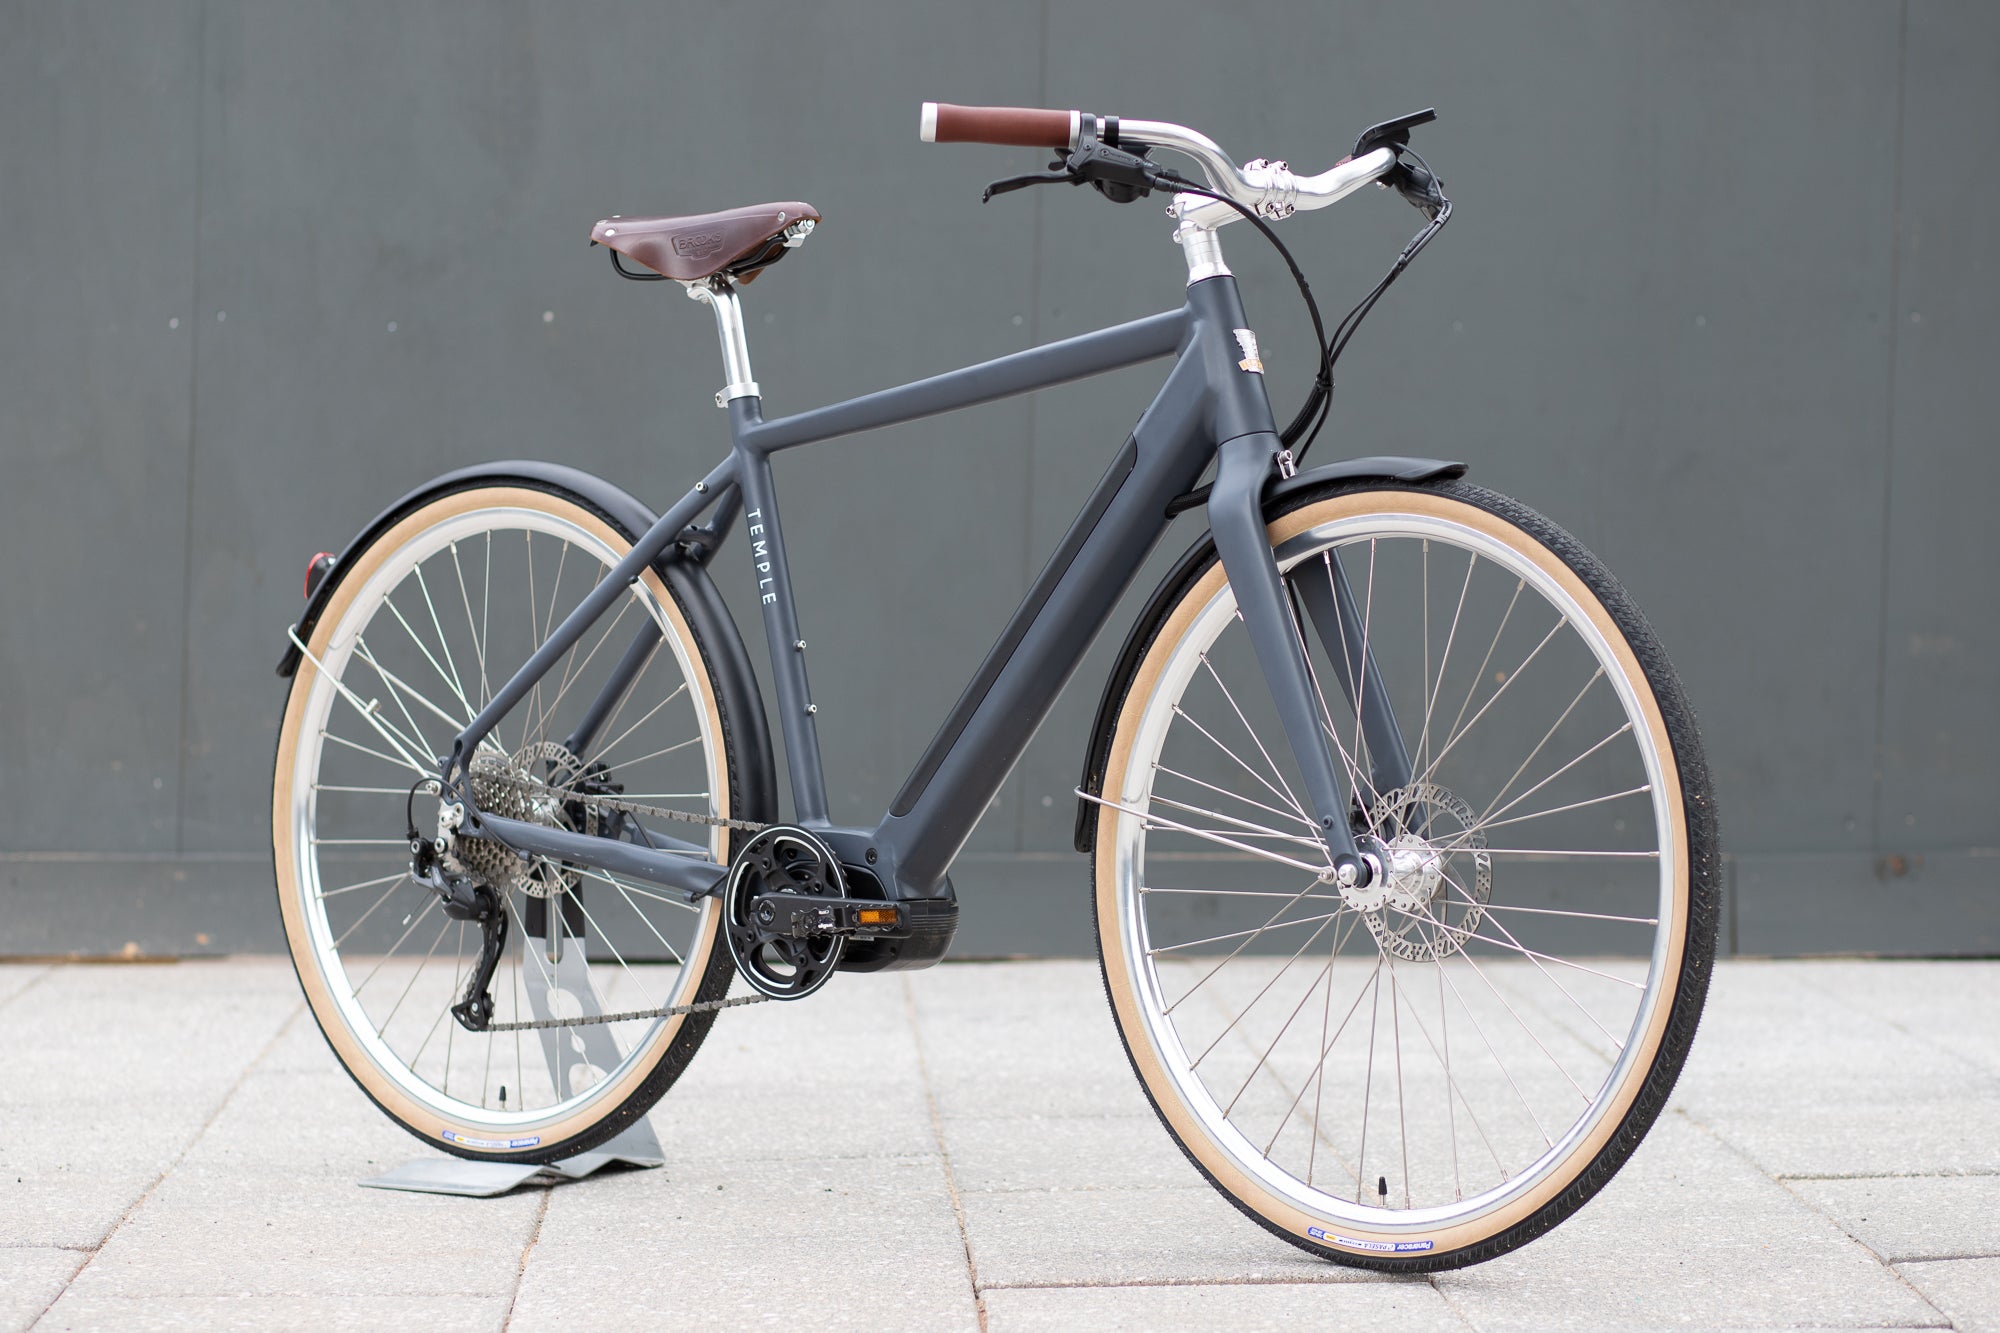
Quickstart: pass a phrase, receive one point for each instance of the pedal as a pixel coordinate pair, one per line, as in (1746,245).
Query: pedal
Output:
(801,916)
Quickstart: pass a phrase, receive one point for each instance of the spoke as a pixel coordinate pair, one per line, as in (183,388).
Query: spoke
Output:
(396,682)
(444,644)
(1450,1084)
(672,952)
(1250,731)
(1231,955)
(1262,992)
(627,763)
(416,738)
(1237,796)
(368,714)
(1158,821)
(1253,830)
(370,791)
(416,919)
(1594,916)
(1615,734)
(1444,660)
(1319,1068)
(1368,1088)
(591,921)
(371,910)
(1484,708)
(364,884)
(570,663)
(357,842)
(1595,676)
(423,648)
(603,750)
(1480,972)
(1505,1072)
(1283,796)
(1264,1057)
(443,930)
(1537,959)
(1556,851)
(1396,1036)
(1239,934)
(1479,675)
(1639,790)
(1249,893)
(478,649)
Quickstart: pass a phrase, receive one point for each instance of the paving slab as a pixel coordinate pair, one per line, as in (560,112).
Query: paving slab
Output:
(1687,1233)
(1142,1236)
(17,977)
(747,1242)
(434,1314)
(992,1154)
(1966,1290)
(1914,1217)
(1407,1306)
(31,1277)
(1948,1005)
(1930,1133)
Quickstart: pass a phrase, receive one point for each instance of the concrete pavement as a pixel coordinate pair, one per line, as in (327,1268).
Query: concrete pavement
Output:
(958,1148)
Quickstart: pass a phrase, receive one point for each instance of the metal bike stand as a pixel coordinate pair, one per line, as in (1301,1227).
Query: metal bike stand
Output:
(563,1049)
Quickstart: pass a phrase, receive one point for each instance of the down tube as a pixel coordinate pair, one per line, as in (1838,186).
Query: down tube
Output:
(1016,686)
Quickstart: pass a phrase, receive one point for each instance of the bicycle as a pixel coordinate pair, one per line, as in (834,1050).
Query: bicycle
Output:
(1393,802)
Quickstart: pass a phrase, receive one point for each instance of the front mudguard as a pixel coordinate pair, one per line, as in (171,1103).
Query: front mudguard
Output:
(1387,468)
(747,731)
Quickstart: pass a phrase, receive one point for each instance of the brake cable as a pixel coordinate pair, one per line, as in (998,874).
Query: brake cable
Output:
(1123,175)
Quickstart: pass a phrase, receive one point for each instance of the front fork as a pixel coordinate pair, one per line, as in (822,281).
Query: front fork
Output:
(1236,519)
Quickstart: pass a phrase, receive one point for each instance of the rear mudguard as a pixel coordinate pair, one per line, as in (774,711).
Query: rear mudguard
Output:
(739,699)
(1139,637)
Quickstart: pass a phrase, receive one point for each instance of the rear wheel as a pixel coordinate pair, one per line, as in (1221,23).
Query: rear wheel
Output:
(1431,1071)
(426,623)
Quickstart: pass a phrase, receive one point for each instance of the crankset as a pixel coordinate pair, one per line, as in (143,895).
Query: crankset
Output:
(787,914)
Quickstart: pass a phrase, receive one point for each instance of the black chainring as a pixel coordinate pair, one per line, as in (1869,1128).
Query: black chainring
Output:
(781,859)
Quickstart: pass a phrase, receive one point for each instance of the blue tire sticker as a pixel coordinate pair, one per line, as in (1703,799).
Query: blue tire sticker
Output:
(1376,1246)
(453,1136)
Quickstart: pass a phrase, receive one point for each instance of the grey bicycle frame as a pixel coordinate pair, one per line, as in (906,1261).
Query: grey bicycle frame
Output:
(1213,406)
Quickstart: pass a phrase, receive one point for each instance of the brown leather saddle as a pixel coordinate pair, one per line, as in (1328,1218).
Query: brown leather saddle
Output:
(741,242)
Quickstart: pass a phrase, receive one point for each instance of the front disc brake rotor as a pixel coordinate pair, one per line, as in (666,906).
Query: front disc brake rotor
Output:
(1437,876)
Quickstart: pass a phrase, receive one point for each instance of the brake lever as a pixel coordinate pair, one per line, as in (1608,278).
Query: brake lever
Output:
(1013,183)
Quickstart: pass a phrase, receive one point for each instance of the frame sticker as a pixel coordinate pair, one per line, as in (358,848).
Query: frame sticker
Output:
(1377,1246)
(1251,362)
(453,1136)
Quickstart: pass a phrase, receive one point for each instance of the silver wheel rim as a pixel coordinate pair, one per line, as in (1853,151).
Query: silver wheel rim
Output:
(1158,997)
(448,554)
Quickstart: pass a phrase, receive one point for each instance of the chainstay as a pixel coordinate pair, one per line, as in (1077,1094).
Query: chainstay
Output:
(667,1011)
(607,802)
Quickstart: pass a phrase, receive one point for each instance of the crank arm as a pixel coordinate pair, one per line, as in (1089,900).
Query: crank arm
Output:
(803,916)
(1236,520)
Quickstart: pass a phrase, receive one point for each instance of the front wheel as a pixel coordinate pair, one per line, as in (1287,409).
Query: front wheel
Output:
(1433,1070)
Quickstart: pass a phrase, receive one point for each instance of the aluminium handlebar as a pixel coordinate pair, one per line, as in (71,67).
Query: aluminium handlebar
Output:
(1268,188)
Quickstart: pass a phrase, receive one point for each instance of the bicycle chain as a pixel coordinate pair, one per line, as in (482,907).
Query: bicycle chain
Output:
(607,802)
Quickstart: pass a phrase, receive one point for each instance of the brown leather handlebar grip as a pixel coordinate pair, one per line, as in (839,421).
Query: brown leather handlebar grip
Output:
(1020,126)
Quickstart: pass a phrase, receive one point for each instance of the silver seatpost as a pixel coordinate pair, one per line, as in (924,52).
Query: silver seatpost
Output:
(721,296)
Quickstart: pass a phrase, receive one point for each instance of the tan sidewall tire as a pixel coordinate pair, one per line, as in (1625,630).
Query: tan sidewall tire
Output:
(419,1117)
(1119,967)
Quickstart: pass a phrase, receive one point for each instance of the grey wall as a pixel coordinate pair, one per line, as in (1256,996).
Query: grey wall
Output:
(1719,297)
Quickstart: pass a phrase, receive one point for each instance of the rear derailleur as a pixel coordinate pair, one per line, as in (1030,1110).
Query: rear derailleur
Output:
(434,865)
